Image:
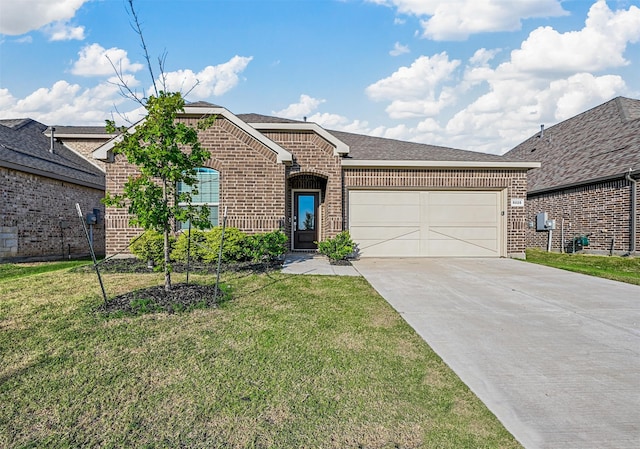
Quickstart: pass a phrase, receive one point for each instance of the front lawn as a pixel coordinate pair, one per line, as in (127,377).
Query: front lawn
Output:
(624,269)
(289,362)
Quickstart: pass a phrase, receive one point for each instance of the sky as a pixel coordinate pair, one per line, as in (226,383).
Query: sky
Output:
(479,75)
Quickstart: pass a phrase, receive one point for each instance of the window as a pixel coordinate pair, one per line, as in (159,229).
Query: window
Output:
(208,193)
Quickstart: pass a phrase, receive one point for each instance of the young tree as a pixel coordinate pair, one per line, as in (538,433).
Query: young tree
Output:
(165,152)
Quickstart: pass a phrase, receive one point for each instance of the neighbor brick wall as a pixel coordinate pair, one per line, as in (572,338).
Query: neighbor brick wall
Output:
(513,181)
(85,147)
(38,218)
(601,210)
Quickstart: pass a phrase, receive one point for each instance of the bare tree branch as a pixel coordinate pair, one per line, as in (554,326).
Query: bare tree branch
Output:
(138,29)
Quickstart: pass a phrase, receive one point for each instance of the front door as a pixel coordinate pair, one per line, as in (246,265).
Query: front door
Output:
(305,220)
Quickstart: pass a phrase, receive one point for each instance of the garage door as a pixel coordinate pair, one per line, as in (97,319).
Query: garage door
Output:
(427,223)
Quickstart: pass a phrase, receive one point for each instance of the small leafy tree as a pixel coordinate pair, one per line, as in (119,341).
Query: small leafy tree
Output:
(165,152)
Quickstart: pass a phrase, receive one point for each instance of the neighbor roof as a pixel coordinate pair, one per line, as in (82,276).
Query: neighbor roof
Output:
(25,147)
(599,144)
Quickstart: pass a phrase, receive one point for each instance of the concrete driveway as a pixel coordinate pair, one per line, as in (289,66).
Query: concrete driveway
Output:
(553,354)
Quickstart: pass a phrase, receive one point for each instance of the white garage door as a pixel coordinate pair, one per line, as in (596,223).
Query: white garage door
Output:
(427,223)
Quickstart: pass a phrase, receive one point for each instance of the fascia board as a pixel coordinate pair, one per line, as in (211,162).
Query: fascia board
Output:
(283,155)
(103,152)
(351,163)
(80,136)
(340,148)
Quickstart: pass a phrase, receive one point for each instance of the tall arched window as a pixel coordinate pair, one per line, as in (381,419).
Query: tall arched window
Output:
(208,193)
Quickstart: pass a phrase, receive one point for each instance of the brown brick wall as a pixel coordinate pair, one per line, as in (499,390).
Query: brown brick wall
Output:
(38,218)
(252,184)
(514,182)
(601,210)
(314,167)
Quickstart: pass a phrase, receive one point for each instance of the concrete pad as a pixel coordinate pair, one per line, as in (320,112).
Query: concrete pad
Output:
(554,355)
(313,263)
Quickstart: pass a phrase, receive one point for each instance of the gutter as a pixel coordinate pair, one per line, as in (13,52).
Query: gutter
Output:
(632,221)
(357,163)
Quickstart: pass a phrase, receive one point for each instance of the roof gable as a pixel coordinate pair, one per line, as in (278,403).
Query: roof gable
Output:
(200,109)
(598,144)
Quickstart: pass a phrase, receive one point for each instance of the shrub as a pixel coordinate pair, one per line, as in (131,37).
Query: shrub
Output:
(267,247)
(150,246)
(197,250)
(337,248)
(233,248)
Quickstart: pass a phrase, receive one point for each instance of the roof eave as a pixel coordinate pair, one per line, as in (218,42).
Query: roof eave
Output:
(511,165)
(50,175)
(583,183)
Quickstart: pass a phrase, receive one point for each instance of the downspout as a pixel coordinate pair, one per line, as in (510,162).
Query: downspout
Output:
(632,221)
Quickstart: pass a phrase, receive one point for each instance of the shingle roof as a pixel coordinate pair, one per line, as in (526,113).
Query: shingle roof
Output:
(377,148)
(87,131)
(23,146)
(362,147)
(601,143)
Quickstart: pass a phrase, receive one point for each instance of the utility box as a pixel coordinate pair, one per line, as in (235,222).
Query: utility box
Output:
(541,219)
(543,223)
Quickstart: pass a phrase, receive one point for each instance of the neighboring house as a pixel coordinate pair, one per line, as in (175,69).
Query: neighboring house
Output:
(396,198)
(588,179)
(41,180)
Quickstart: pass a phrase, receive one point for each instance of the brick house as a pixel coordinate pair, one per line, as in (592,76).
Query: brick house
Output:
(587,182)
(41,180)
(396,198)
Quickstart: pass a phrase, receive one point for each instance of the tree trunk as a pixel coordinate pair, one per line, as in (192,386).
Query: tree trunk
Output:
(167,228)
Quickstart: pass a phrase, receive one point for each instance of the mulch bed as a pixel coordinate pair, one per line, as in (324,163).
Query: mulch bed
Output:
(181,297)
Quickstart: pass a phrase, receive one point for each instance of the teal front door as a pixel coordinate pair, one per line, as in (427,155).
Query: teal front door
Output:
(305,220)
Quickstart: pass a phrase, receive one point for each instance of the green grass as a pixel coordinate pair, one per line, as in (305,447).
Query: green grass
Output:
(10,271)
(624,269)
(290,362)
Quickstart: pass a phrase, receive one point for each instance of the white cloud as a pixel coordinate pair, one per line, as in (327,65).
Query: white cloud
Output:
(399,49)
(19,17)
(61,31)
(599,45)
(210,81)
(416,90)
(69,104)
(552,76)
(457,19)
(94,60)
(303,108)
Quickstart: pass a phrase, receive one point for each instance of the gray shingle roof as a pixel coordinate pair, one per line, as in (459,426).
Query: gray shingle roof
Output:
(377,148)
(601,143)
(23,146)
(362,147)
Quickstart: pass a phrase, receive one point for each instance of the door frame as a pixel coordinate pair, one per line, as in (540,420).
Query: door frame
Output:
(293,215)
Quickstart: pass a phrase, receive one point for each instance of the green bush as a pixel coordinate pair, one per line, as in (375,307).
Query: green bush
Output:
(150,246)
(197,250)
(233,248)
(337,248)
(266,247)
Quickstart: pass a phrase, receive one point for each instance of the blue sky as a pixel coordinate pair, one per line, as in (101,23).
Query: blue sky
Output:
(470,74)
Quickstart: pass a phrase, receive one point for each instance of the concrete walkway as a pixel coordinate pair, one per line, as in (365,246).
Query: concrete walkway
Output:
(554,355)
(313,263)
